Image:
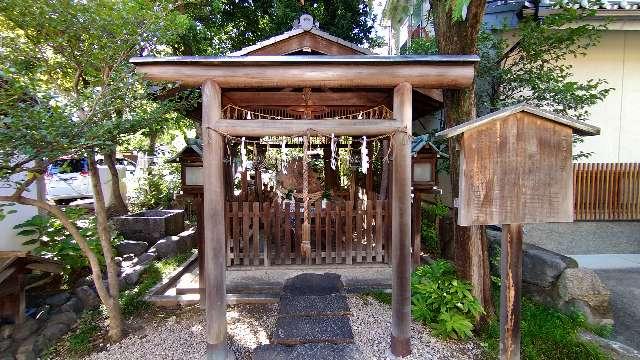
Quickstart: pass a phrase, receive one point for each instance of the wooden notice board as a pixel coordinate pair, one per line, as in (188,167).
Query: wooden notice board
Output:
(518,170)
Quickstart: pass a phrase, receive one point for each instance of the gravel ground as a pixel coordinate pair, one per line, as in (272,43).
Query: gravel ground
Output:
(181,335)
(371,323)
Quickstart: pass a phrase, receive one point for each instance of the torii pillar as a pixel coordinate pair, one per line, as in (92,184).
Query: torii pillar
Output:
(214,232)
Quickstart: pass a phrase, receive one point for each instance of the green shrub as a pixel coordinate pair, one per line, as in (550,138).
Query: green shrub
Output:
(52,240)
(443,301)
(156,188)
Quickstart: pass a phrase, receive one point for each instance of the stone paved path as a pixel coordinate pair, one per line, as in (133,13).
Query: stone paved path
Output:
(313,321)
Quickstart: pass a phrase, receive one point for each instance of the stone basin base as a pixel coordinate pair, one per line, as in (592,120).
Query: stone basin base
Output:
(150,225)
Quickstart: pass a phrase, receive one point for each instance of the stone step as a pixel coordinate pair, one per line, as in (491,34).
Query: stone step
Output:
(309,284)
(306,352)
(324,305)
(295,330)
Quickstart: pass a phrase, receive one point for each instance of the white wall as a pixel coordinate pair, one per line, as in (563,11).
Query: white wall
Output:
(616,59)
(9,240)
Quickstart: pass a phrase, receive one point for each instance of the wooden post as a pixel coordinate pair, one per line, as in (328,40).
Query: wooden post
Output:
(511,282)
(202,283)
(401,224)
(214,232)
(416,228)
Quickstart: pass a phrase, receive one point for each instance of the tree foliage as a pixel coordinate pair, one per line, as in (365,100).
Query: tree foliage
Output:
(536,68)
(221,26)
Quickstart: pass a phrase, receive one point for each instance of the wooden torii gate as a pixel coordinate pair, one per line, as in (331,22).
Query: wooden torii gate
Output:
(402,73)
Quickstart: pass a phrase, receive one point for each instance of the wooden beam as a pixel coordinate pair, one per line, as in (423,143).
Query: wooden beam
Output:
(214,231)
(440,75)
(272,98)
(435,94)
(257,128)
(510,291)
(401,225)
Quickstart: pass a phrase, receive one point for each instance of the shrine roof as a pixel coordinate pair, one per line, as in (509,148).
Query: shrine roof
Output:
(579,127)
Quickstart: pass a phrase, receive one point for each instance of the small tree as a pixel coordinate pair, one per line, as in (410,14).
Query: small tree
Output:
(78,95)
(536,68)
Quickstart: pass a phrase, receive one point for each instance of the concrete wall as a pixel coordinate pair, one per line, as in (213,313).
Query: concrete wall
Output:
(586,237)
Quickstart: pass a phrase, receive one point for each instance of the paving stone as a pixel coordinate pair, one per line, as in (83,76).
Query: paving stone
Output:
(294,330)
(335,304)
(306,352)
(313,285)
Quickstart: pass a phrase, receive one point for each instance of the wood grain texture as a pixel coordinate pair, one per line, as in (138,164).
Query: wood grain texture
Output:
(401,224)
(510,290)
(214,231)
(347,127)
(435,76)
(516,170)
(606,191)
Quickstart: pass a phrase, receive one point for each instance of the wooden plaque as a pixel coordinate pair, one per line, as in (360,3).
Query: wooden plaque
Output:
(516,169)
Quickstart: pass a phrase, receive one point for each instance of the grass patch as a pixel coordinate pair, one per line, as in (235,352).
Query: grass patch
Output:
(79,343)
(546,333)
(380,296)
(132,301)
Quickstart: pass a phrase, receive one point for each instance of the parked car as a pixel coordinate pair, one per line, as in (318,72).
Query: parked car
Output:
(68,179)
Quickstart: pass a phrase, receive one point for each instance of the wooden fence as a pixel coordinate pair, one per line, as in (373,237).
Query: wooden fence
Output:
(606,191)
(263,234)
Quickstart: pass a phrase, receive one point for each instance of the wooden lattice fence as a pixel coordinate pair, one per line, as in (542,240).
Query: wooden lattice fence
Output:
(606,191)
(263,234)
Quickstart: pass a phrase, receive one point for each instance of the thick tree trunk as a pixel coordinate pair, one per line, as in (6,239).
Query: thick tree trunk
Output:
(461,37)
(113,311)
(118,207)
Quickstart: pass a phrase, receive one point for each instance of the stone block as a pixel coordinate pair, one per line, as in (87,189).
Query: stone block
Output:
(87,297)
(543,267)
(150,225)
(583,290)
(28,327)
(166,247)
(57,299)
(73,305)
(68,318)
(294,330)
(131,247)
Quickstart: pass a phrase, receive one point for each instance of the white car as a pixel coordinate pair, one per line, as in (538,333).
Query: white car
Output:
(68,179)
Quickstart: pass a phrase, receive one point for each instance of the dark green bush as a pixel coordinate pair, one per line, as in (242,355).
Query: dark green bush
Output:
(443,301)
(428,230)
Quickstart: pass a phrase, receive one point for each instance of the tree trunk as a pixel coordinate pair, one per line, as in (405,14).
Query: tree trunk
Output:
(118,207)
(153,139)
(113,310)
(94,264)
(461,37)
